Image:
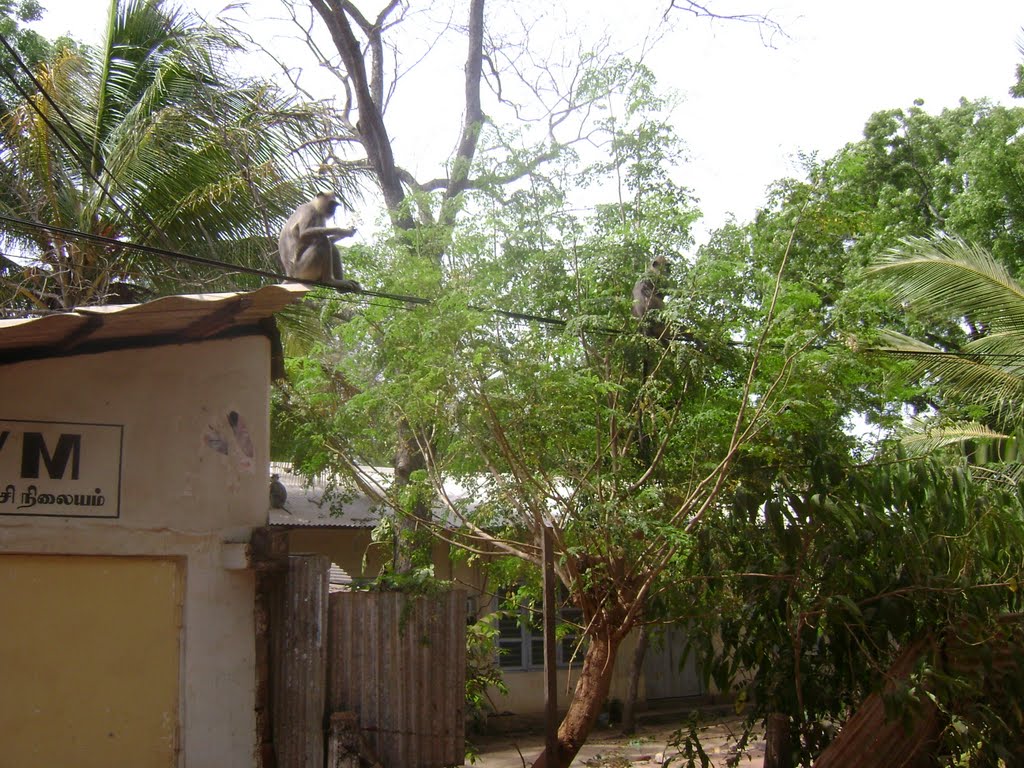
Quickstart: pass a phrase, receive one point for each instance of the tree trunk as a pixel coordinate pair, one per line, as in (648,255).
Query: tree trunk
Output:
(632,689)
(777,750)
(408,459)
(367,88)
(588,699)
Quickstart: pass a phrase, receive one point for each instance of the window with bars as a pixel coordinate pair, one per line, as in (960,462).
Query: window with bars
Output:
(521,639)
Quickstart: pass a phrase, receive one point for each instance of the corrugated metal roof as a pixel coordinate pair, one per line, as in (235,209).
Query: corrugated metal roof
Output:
(169,320)
(338,579)
(325,503)
(313,505)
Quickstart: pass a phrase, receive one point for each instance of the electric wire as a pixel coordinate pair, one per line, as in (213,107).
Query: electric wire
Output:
(269,274)
(405,300)
(86,168)
(402,299)
(522,316)
(46,95)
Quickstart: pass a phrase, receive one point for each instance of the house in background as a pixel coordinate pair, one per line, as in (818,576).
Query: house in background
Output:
(134,444)
(340,526)
(320,519)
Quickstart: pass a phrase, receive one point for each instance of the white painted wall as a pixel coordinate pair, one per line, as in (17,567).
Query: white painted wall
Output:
(188,486)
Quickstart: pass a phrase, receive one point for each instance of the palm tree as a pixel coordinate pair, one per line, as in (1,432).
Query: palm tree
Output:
(147,138)
(956,281)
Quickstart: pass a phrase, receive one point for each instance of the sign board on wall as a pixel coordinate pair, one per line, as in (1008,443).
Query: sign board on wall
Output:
(60,468)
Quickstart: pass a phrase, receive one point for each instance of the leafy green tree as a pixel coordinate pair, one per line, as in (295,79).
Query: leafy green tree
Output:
(789,613)
(811,590)
(959,281)
(144,138)
(913,173)
(555,410)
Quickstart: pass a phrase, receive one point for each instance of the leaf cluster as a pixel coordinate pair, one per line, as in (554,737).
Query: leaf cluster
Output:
(816,593)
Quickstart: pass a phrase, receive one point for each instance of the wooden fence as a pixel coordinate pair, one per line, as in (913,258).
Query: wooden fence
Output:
(400,663)
(298,650)
(387,665)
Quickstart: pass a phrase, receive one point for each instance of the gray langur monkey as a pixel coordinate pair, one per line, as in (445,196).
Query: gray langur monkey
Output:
(278,493)
(648,295)
(306,245)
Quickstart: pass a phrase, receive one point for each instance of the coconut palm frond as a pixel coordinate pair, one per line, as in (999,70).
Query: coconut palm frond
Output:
(919,438)
(1010,474)
(977,374)
(946,274)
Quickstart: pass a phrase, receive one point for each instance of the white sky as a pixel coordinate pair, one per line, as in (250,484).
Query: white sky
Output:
(748,108)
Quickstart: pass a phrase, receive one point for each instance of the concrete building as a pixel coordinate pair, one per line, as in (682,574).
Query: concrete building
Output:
(133,453)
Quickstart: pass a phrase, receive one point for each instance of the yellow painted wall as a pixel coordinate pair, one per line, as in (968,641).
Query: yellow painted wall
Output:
(181,500)
(90,676)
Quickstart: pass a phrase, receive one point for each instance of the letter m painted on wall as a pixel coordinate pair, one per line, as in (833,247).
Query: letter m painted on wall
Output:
(34,448)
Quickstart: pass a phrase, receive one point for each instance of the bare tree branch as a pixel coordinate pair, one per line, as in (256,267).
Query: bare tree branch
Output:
(474,116)
(701,11)
(370,126)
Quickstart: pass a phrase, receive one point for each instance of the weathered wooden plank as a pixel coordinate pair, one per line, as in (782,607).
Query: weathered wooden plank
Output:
(299,663)
(399,662)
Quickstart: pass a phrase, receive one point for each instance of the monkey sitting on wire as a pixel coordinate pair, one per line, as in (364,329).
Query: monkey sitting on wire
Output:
(306,245)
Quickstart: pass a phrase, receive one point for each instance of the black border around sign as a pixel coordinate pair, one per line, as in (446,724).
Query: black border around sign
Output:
(120,469)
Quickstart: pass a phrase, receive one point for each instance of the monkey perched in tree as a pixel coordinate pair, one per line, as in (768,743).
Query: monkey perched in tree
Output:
(306,246)
(648,295)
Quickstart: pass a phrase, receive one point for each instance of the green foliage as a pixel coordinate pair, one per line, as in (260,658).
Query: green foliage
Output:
(419,582)
(831,585)
(483,674)
(828,571)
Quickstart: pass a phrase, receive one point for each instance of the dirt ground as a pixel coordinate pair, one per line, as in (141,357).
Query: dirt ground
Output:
(651,745)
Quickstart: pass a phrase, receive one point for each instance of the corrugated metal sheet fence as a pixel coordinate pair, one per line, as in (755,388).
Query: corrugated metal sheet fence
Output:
(400,662)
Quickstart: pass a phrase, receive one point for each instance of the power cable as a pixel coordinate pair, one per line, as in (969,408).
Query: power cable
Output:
(200,260)
(86,168)
(407,299)
(275,276)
